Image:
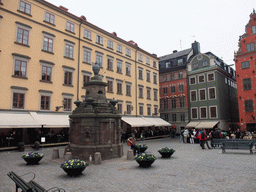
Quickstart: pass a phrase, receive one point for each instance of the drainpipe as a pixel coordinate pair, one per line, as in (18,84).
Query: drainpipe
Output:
(78,64)
(136,81)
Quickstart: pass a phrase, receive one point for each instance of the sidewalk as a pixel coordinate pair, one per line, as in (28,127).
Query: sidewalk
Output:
(189,169)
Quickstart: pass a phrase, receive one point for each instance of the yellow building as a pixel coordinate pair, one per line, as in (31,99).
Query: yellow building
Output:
(47,55)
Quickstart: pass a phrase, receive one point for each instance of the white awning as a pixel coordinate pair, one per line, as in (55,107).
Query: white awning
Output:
(51,120)
(137,122)
(206,124)
(11,119)
(192,124)
(156,121)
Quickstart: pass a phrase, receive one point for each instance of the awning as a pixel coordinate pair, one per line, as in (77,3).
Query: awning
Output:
(51,120)
(156,121)
(137,122)
(11,119)
(206,124)
(192,124)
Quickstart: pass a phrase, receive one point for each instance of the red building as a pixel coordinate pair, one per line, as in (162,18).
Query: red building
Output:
(245,60)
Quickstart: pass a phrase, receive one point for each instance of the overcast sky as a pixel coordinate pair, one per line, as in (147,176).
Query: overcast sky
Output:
(161,26)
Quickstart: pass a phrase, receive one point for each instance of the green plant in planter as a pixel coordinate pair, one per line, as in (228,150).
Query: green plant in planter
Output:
(141,147)
(166,149)
(74,163)
(33,154)
(37,145)
(145,157)
(21,144)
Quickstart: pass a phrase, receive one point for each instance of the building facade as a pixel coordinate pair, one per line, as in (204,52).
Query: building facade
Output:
(245,60)
(173,86)
(47,55)
(212,93)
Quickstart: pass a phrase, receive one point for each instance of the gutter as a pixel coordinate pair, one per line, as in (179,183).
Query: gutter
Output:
(78,64)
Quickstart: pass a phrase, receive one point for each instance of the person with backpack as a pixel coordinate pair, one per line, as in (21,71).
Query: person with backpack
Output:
(203,139)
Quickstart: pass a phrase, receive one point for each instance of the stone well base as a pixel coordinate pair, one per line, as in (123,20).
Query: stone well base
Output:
(107,151)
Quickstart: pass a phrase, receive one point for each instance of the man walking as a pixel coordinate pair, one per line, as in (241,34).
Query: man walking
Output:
(203,139)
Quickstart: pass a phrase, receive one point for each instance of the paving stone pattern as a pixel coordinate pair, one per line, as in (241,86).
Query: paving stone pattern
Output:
(189,169)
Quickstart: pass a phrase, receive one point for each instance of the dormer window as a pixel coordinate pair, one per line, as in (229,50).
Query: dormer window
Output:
(254,29)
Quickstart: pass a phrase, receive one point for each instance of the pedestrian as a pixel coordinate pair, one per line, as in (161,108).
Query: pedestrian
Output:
(181,136)
(185,135)
(192,136)
(203,139)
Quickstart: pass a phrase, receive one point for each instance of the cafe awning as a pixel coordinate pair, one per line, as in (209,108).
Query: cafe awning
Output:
(11,119)
(156,121)
(192,124)
(206,124)
(137,122)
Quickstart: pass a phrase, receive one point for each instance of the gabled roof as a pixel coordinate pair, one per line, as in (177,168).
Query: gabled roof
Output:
(175,55)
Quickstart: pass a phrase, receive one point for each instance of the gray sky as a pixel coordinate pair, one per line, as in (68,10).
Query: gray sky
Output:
(161,26)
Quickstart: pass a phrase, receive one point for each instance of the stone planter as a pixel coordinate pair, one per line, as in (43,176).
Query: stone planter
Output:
(166,154)
(145,163)
(33,160)
(74,171)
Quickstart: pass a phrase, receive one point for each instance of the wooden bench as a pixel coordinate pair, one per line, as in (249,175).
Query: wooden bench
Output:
(237,144)
(217,142)
(30,186)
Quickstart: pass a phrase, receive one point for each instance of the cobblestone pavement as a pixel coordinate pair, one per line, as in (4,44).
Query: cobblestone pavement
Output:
(189,169)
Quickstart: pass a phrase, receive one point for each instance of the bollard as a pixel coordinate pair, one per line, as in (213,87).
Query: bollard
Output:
(67,156)
(97,158)
(55,154)
(130,155)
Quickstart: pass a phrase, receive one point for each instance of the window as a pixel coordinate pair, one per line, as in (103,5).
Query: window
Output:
(86,78)
(193,96)
(213,112)
(254,29)
(119,88)
(212,93)
(69,50)
(49,17)
(164,78)
(203,112)
(45,102)
(119,48)
(67,104)
(46,73)
(211,76)
(245,64)
(168,64)
(70,26)
(68,77)
(25,7)
(181,88)
(165,90)
(149,110)
(128,109)
(20,68)
(141,109)
(195,66)
(87,56)
(110,85)
(172,89)
(173,103)
(155,109)
(155,94)
(128,69)
(120,108)
(201,79)
(140,92)
(248,104)
(205,63)
(18,100)
(128,51)
(250,47)
(154,63)
(140,73)
(48,43)
(165,103)
(182,102)
(99,59)
(194,113)
(180,75)
(172,77)
(148,93)
(180,62)
(110,44)
(87,34)
(119,66)
(154,78)
(247,84)
(23,35)
(147,60)
(192,80)
(99,39)
(128,89)
(166,117)
(202,94)
(110,64)
(174,117)
(148,76)
(182,116)
(140,57)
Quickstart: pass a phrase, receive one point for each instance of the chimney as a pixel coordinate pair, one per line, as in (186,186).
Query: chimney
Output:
(63,8)
(196,47)
(175,51)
